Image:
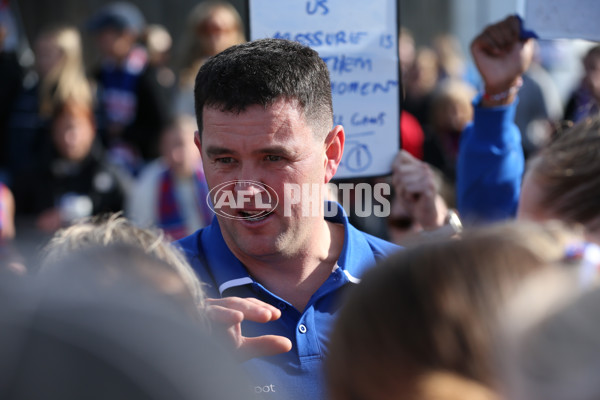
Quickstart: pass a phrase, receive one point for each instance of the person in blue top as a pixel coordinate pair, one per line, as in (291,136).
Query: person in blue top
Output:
(277,258)
(561,181)
(491,162)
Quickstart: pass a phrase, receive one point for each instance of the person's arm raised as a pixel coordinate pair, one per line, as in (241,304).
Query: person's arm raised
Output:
(491,163)
(501,58)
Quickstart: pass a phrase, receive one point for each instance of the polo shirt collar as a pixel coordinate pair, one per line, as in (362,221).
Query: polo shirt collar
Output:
(355,258)
(225,268)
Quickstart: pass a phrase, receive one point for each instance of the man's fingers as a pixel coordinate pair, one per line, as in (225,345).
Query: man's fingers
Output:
(251,308)
(275,312)
(261,346)
(223,315)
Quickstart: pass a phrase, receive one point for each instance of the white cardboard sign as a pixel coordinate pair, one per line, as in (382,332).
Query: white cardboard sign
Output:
(563,19)
(359,42)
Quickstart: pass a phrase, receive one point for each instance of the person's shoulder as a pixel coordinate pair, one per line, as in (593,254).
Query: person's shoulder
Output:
(190,245)
(192,249)
(363,251)
(380,247)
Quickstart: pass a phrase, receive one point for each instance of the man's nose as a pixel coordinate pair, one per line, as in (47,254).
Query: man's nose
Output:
(249,187)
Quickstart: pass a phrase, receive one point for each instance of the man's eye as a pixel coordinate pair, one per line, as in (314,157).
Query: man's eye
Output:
(224,160)
(273,158)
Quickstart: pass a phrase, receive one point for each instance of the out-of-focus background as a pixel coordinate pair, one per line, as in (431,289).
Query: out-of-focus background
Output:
(97,111)
(425,18)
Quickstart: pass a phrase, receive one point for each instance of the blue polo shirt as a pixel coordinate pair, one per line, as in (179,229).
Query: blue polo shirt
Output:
(298,373)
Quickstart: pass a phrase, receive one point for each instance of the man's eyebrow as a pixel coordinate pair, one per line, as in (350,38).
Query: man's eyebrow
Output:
(275,150)
(215,151)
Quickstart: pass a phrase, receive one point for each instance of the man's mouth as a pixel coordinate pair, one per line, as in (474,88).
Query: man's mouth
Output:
(254,215)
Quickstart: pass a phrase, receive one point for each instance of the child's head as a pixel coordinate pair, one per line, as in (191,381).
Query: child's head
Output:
(117,27)
(177,146)
(73,131)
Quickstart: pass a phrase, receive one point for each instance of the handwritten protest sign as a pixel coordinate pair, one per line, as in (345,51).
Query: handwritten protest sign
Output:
(358,41)
(562,19)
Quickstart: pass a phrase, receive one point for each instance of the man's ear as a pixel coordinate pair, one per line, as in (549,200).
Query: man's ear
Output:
(197,141)
(334,148)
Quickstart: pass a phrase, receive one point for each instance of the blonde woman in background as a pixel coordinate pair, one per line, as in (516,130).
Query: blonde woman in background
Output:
(61,79)
(60,65)
(212,27)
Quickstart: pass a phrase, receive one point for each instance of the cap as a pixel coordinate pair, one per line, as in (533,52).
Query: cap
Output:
(121,16)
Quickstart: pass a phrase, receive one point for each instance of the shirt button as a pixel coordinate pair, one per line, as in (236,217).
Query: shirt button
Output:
(281,305)
(302,328)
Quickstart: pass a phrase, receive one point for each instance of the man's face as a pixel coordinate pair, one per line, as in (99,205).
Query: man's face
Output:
(274,147)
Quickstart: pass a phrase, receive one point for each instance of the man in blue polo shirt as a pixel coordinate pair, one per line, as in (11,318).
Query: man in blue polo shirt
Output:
(265,134)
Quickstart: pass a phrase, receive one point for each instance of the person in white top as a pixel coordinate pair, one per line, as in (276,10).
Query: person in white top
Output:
(170,193)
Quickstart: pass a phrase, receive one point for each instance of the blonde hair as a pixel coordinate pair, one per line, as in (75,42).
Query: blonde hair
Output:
(66,81)
(192,51)
(116,229)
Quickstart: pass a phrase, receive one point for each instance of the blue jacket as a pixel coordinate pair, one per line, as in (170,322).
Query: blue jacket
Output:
(296,374)
(490,166)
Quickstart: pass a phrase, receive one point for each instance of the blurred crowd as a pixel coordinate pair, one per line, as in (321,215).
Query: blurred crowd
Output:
(102,169)
(77,143)
(440,86)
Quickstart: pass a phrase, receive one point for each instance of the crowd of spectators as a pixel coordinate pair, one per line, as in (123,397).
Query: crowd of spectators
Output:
(77,142)
(105,167)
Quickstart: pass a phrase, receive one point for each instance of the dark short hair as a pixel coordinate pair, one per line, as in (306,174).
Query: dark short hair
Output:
(261,72)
